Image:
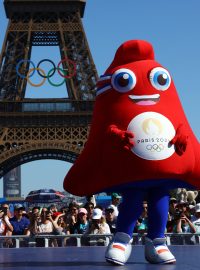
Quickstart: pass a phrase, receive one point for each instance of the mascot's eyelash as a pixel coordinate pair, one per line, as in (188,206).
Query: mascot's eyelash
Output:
(104,84)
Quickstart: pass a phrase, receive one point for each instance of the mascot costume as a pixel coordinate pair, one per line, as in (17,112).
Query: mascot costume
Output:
(141,145)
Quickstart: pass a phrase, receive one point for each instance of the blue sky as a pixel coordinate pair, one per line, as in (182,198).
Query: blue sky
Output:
(171,26)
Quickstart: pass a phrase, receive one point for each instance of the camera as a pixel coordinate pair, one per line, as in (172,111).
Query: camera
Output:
(178,214)
(64,210)
(4,210)
(96,224)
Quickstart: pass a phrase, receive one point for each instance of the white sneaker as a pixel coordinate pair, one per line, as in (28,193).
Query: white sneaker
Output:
(156,251)
(119,250)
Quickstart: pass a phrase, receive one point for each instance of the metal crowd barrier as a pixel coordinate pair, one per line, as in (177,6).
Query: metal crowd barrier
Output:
(138,239)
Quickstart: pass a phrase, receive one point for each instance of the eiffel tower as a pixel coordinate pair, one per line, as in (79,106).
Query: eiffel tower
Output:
(33,129)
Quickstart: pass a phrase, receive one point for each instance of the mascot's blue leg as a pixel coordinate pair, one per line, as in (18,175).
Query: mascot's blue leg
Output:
(131,207)
(130,210)
(156,251)
(158,206)
(120,247)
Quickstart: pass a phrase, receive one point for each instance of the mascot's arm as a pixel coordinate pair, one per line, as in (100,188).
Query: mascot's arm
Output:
(180,140)
(123,135)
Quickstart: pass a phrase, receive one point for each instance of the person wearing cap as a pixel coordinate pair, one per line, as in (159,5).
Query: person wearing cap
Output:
(182,206)
(111,218)
(19,222)
(115,197)
(81,226)
(98,223)
(196,222)
(183,223)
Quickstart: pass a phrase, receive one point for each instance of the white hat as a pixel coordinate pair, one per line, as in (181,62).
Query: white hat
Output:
(97,213)
(197,208)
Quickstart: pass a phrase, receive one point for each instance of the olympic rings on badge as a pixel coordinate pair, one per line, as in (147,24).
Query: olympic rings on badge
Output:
(155,147)
(62,72)
(33,84)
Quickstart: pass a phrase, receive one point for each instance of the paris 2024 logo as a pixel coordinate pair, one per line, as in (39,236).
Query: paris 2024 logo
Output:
(152,135)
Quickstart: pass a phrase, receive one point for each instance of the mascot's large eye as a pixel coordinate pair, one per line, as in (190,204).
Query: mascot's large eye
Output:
(160,78)
(123,80)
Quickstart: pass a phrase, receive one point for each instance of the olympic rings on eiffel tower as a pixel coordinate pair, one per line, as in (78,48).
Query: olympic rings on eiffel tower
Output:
(33,84)
(19,65)
(70,62)
(53,69)
(62,72)
(48,77)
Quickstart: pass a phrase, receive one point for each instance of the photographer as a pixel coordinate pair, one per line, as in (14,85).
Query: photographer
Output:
(182,219)
(7,210)
(5,226)
(184,225)
(41,224)
(98,225)
(44,225)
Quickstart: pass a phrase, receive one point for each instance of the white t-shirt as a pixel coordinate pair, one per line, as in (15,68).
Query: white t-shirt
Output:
(105,229)
(45,228)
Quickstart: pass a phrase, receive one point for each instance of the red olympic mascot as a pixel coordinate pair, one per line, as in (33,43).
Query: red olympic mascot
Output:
(141,145)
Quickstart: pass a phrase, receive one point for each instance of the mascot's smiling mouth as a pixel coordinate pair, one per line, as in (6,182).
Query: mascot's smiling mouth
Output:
(145,99)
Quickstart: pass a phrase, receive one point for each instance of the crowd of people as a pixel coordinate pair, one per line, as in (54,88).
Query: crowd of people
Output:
(87,219)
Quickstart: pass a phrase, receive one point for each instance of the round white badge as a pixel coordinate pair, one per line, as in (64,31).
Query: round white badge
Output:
(152,134)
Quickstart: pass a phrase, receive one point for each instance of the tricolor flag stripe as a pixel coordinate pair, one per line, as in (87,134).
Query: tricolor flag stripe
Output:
(103,89)
(104,77)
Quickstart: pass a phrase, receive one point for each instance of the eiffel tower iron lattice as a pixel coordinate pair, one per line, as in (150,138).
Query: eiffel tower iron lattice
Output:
(33,129)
